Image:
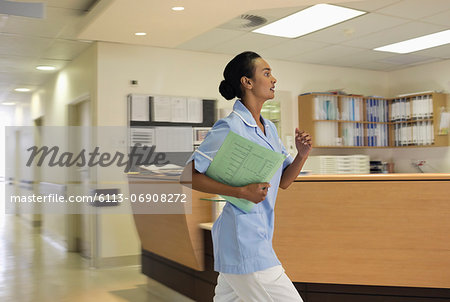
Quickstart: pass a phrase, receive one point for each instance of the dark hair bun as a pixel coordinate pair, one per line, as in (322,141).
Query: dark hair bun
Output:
(226,90)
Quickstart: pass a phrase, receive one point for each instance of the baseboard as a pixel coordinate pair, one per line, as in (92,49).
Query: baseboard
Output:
(109,262)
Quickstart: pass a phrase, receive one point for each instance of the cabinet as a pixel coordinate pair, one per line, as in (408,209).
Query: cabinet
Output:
(354,121)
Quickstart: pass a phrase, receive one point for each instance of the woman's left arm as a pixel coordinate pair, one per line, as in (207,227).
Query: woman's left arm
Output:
(303,144)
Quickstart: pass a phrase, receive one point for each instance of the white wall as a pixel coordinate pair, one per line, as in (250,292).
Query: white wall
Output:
(187,73)
(435,77)
(51,102)
(6,119)
(78,78)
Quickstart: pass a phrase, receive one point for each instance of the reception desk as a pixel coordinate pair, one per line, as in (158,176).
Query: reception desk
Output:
(390,230)
(339,237)
(176,237)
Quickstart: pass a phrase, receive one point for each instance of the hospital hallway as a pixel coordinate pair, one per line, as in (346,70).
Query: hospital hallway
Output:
(34,269)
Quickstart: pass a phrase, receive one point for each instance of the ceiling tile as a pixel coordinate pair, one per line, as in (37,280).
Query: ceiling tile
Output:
(415,9)
(7,96)
(395,34)
(277,13)
(65,49)
(50,27)
(23,45)
(249,41)
(210,39)
(442,18)
(243,21)
(442,52)
(376,66)
(357,58)
(10,63)
(5,87)
(368,5)
(291,48)
(407,59)
(326,53)
(357,27)
(29,79)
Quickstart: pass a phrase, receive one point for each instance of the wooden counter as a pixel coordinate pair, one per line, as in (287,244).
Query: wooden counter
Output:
(379,229)
(373,177)
(176,237)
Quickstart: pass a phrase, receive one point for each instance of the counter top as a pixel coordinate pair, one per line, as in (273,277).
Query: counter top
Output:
(374,177)
(206,226)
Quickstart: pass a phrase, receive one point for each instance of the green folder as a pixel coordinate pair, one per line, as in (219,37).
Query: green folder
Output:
(240,162)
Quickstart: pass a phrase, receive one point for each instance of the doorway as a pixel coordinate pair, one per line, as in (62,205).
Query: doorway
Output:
(81,230)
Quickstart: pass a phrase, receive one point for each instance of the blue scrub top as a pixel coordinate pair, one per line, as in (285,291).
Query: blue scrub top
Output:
(243,241)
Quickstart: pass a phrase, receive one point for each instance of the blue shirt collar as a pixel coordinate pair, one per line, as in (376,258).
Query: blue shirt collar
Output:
(240,110)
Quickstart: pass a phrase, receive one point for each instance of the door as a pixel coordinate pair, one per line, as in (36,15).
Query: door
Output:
(81,231)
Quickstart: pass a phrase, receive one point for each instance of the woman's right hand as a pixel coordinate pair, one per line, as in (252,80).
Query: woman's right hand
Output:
(255,192)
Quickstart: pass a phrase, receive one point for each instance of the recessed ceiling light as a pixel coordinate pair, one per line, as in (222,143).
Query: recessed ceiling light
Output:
(308,20)
(45,67)
(416,44)
(178,8)
(8,103)
(140,34)
(22,89)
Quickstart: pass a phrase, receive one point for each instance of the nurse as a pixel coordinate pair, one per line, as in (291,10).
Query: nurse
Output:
(248,267)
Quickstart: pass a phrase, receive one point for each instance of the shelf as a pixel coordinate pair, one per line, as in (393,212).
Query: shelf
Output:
(415,146)
(353,147)
(373,177)
(326,131)
(381,123)
(412,121)
(372,147)
(354,122)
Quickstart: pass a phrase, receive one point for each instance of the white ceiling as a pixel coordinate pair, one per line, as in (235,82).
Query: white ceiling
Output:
(213,26)
(27,42)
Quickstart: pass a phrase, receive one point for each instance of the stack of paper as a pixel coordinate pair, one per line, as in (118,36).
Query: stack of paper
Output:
(168,170)
(339,164)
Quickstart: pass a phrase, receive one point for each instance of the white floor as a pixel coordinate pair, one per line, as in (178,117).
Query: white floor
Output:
(34,270)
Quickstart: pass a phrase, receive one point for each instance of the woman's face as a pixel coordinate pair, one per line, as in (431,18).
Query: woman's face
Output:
(263,82)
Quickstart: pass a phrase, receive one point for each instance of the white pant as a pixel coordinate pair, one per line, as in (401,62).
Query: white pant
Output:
(271,284)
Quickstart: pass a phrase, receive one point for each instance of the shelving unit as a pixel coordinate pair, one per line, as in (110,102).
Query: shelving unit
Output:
(418,119)
(354,121)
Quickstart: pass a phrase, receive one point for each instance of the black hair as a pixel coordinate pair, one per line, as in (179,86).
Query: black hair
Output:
(240,66)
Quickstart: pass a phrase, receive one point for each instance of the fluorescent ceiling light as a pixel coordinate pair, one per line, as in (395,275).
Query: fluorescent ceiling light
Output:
(177,8)
(309,20)
(140,34)
(416,44)
(8,103)
(22,89)
(45,67)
